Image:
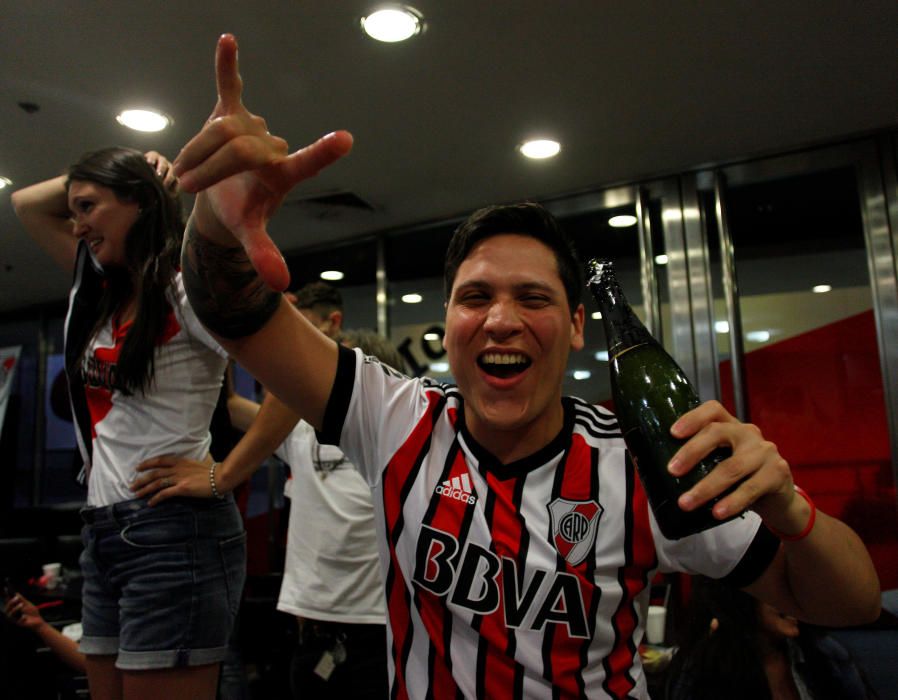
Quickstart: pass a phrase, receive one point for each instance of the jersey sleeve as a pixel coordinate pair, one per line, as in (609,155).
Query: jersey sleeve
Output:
(293,452)
(738,551)
(188,318)
(371,410)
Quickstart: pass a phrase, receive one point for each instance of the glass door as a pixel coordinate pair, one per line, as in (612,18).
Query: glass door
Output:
(805,324)
(629,225)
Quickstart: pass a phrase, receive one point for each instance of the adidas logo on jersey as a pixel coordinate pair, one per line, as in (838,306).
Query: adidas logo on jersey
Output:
(458,488)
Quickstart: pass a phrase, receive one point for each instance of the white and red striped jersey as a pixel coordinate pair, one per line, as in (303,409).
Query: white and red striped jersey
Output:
(518,580)
(117,432)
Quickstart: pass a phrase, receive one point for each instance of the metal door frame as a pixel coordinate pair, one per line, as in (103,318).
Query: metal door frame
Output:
(874,162)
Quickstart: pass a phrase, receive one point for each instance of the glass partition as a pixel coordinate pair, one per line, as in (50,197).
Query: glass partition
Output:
(810,367)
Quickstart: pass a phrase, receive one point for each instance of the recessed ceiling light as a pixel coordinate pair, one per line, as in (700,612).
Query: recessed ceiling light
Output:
(143,120)
(662,259)
(412,298)
(602,356)
(581,374)
(822,288)
(622,221)
(722,326)
(540,148)
(392,24)
(332,275)
(597,315)
(5,182)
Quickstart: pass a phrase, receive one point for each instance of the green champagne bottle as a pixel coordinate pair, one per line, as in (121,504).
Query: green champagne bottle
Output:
(650,392)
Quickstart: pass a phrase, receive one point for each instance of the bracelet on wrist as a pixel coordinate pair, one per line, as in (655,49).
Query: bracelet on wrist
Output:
(807,528)
(215,493)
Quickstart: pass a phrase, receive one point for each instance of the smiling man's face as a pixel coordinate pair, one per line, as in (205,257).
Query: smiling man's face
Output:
(509,331)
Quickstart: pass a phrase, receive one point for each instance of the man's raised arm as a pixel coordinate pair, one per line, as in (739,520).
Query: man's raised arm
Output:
(232,270)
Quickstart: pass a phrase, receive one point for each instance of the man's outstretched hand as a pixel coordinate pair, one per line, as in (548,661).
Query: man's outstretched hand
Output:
(242,173)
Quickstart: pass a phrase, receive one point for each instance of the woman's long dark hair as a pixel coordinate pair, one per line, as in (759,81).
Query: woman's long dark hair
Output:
(727,663)
(152,250)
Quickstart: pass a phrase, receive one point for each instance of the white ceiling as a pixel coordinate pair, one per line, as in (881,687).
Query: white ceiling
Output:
(631,89)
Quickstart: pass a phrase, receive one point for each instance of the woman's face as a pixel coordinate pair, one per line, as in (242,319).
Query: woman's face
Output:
(102,219)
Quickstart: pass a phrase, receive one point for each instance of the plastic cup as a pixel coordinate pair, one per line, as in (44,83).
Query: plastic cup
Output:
(654,626)
(51,574)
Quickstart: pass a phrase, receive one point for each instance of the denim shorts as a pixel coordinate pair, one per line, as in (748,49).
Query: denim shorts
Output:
(162,584)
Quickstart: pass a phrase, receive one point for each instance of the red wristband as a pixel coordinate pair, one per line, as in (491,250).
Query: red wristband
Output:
(807,528)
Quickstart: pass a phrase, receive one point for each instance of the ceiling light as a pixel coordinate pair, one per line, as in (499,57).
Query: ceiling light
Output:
(392,24)
(439,367)
(540,148)
(661,259)
(581,374)
(412,298)
(143,120)
(822,288)
(597,315)
(722,326)
(332,275)
(602,356)
(5,182)
(758,336)
(431,336)
(622,221)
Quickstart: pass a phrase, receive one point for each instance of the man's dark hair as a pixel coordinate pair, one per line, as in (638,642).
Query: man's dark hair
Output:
(373,343)
(526,219)
(319,297)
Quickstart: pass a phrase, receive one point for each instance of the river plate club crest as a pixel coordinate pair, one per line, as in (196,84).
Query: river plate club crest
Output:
(574,527)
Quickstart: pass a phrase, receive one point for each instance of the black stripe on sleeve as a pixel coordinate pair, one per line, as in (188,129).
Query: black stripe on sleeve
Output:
(338,403)
(755,560)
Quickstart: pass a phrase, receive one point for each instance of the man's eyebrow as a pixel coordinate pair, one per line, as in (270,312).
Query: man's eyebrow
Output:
(535,285)
(528,286)
(473,284)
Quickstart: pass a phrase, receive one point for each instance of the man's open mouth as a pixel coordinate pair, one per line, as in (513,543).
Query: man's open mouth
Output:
(503,365)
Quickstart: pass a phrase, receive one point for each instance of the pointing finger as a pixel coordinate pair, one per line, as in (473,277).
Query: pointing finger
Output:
(227,74)
(309,161)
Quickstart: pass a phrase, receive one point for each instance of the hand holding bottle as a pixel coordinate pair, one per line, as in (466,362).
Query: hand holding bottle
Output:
(762,474)
(700,466)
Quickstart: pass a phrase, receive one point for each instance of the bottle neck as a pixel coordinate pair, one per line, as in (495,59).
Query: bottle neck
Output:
(623,329)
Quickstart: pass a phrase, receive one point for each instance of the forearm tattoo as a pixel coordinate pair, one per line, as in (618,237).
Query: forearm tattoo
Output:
(226,293)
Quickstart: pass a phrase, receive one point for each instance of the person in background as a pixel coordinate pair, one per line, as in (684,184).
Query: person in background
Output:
(161,585)
(515,544)
(322,304)
(24,613)
(319,302)
(734,646)
(332,582)
(331,579)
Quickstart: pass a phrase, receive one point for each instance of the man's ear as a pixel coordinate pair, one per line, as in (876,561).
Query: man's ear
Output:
(577,322)
(336,319)
(445,309)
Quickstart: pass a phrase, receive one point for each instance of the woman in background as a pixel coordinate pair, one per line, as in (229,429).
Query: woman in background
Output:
(162,584)
(736,647)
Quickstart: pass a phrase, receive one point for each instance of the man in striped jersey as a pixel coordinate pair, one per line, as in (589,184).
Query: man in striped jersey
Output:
(516,544)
